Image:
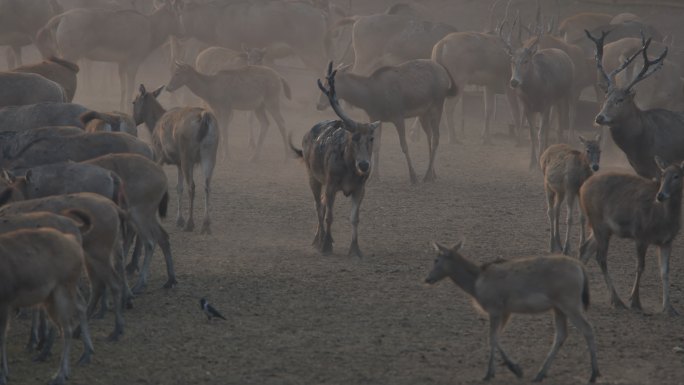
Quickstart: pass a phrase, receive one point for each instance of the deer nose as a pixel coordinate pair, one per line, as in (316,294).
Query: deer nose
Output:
(515,82)
(595,167)
(364,166)
(600,119)
(661,197)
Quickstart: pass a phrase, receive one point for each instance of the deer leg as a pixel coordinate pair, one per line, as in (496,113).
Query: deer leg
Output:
(544,132)
(641,248)
(85,331)
(449,111)
(493,331)
(35,330)
(188,169)
(514,129)
(602,260)
(356,198)
(489,109)
(561,334)
(401,130)
(570,205)
(208,161)
(132,266)
(58,309)
(560,196)
(427,127)
(529,116)
(414,133)
(582,221)
(4,320)
(328,201)
(664,252)
(512,366)
(375,174)
(162,238)
(142,278)
(11,58)
(280,123)
(225,116)
(580,321)
(320,213)
(180,221)
(263,129)
(550,204)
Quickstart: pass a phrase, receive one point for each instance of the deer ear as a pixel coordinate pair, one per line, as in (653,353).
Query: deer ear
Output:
(142,89)
(597,137)
(8,176)
(375,125)
(440,248)
(458,246)
(27,176)
(582,140)
(662,165)
(158,91)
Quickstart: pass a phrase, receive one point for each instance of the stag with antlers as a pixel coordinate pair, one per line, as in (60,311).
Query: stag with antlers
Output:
(640,134)
(337,154)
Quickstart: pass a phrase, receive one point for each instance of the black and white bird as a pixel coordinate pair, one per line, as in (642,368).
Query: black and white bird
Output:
(209,310)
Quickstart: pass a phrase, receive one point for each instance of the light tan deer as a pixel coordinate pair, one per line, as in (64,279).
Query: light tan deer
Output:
(184,137)
(525,285)
(631,206)
(565,170)
(47,273)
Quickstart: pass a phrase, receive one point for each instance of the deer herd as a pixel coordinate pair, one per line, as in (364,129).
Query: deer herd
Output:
(79,189)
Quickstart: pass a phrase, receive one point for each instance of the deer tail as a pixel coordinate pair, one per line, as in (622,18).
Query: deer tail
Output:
(585,290)
(299,153)
(207,120)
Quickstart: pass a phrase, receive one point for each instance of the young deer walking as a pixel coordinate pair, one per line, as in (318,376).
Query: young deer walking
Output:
(565,170)
(525,285)
(631,206)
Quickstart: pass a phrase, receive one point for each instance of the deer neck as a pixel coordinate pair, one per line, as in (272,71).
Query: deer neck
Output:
(465,275)
(163,25)
(152,115)
(629,134)
(200,84)
(353,89)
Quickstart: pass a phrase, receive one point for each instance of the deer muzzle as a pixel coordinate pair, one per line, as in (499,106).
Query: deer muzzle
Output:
(363,167)
(662,197)
(601,119)
(595,167)
(515,83)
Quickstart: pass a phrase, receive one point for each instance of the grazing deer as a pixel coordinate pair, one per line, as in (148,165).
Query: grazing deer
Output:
(542,79)
(251,88)
(184,137)
(394,93)
(525,285)
(565,170)
(640,134)
(338,157)
(634,207)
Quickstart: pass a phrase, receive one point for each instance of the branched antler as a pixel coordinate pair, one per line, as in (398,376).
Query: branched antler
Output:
(650,66)
(350,124)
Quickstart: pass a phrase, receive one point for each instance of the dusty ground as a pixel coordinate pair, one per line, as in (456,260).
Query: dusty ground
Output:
(295,317)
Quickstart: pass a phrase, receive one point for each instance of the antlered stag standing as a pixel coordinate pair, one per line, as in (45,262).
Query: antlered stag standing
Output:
(640,134)
(338,157)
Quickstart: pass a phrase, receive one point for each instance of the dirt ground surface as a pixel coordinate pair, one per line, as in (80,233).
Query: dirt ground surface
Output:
(296,317)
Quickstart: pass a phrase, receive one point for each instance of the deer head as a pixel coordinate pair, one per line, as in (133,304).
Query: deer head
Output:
(180,76)
(143,101)
(445,262)
(592,150)
(360,148)
(670,180)
(619,102)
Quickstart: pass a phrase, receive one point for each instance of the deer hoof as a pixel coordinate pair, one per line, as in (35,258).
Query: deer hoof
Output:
(180,222)
(669,310)
(170,283)
(189,226)
(618,304)
(206,229)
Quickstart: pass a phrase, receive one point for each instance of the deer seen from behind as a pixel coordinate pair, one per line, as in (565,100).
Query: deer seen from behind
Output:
(338,157)
(634,207)
(640,134)
(525,285)
(565,170)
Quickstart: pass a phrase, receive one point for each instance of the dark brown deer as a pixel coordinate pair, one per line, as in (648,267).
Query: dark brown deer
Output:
(630,206)
(640,134)
(525,285)
(338,155)
(542,78)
